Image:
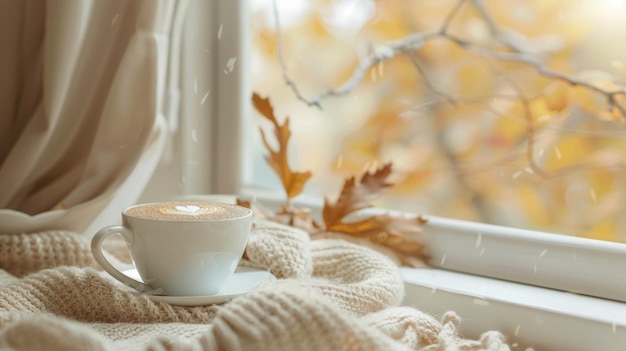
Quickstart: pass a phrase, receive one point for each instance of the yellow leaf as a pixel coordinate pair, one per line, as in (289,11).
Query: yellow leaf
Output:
(603,230)
(598,104)
(265,40)
(557,97)
(567,152)
(472,79)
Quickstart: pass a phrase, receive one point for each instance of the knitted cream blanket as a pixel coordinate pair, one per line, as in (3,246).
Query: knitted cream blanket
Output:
(331,295)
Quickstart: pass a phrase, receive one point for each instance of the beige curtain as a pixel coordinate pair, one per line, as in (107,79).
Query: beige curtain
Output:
(81,85)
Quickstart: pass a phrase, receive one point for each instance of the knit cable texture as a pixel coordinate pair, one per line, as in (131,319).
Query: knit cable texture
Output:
(331,295)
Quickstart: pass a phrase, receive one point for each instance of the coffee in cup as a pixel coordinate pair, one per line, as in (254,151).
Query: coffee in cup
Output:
(180,248)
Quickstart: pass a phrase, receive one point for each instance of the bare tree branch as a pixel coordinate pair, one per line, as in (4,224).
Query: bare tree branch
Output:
(414,42)
(450,16)
(610,93)
(281,59)
(378,54)
(476,198)
(495,30)
(418,66)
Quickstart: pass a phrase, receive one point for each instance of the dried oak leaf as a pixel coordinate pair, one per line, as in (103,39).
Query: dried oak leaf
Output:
(383,229)
(293,182)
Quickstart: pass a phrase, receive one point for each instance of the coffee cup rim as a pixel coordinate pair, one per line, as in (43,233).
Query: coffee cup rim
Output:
(125,214)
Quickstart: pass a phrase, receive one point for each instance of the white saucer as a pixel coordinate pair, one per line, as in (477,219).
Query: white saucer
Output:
(244,280)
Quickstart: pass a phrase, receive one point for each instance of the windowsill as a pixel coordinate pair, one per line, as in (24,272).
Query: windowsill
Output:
(529,315)
(563,262)
(520,302)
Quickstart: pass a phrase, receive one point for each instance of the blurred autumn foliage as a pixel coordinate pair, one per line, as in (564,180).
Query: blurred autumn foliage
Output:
(502,111)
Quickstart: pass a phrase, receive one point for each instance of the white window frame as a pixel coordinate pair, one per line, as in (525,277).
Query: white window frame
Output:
(206,99)
(475,265)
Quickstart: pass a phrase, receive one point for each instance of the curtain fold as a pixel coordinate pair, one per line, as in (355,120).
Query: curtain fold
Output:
(81,108)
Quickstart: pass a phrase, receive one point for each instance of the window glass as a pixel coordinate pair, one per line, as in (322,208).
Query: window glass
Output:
(503,112)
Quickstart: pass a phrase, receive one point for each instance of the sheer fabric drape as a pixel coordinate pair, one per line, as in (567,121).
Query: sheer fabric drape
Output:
(80,108)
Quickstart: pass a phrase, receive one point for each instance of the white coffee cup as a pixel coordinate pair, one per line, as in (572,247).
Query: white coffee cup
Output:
(179,248)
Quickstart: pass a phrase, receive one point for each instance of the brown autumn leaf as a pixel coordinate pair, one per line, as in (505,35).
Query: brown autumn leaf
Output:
(384,229)
(293,182)
(356,196)
(244,203)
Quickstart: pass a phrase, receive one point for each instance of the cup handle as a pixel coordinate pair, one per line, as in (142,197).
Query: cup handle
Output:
(98,254)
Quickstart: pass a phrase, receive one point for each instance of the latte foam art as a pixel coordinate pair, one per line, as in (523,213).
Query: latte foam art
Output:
(187,211)
(190,210)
